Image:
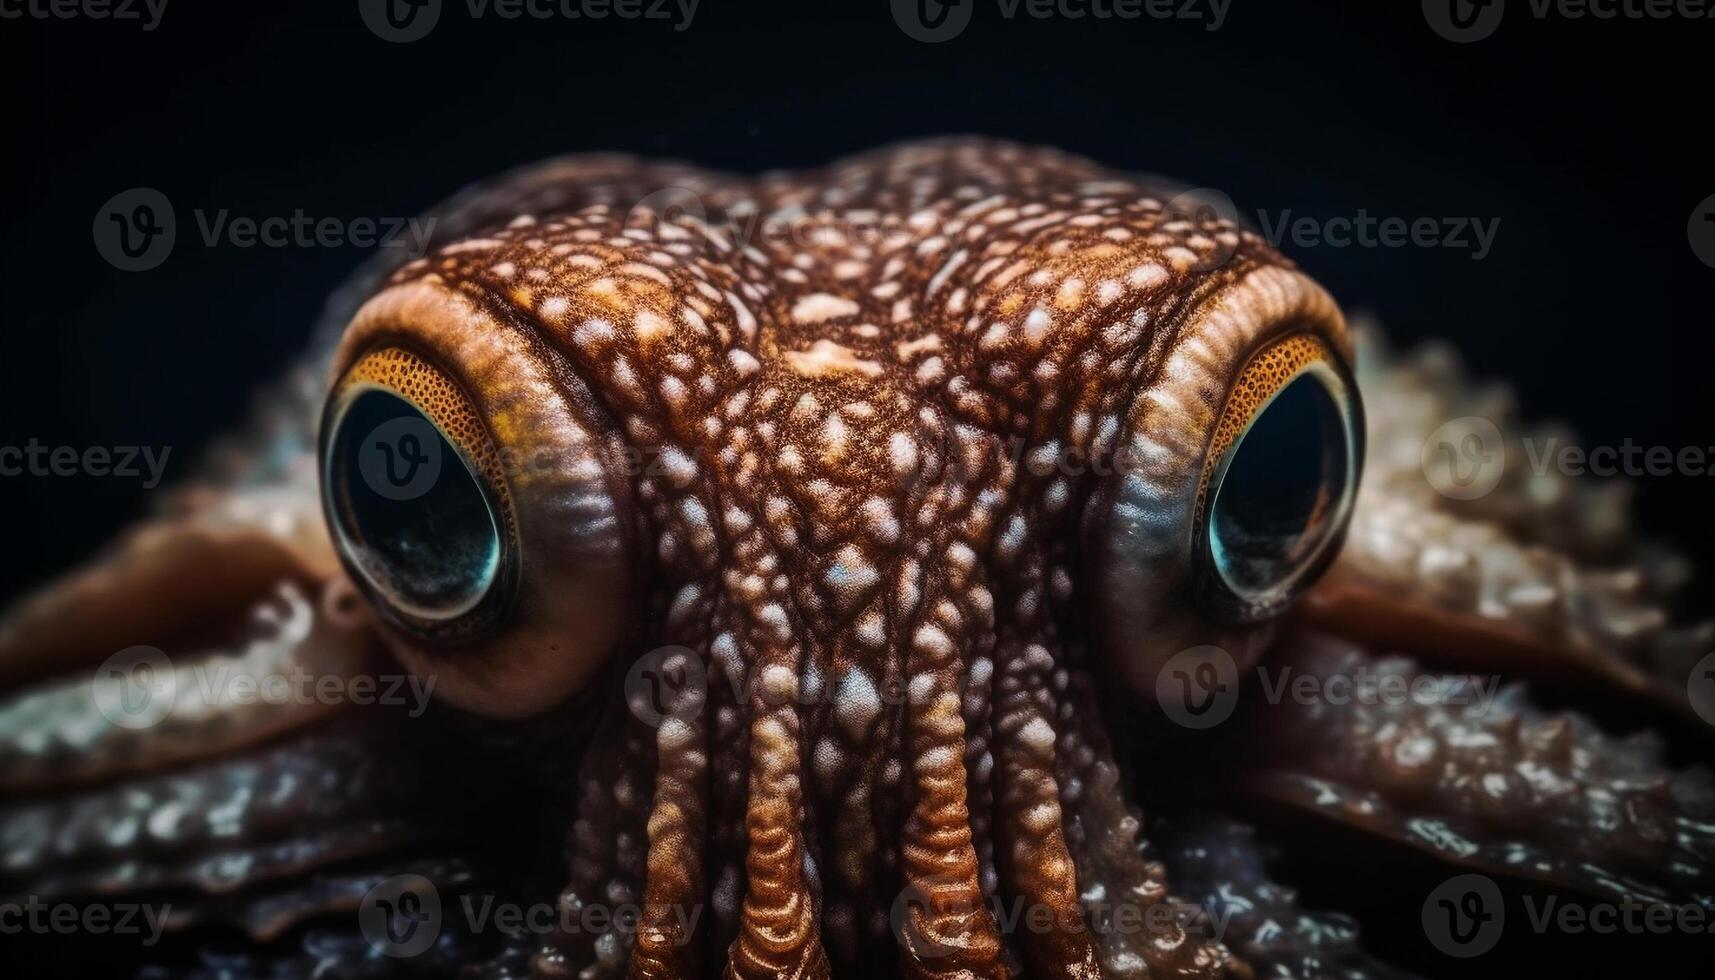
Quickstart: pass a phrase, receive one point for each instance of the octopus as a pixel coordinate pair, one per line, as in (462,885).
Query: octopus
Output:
(890,569)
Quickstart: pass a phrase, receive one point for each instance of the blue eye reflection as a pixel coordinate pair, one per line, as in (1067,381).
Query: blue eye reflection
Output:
(411,515)
(1284,487)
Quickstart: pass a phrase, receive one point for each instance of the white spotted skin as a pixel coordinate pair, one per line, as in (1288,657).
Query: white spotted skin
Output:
(860,432)
(844,471)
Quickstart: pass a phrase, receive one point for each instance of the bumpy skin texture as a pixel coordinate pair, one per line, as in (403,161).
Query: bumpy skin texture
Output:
(836,513)
(823,443)
(1462,772)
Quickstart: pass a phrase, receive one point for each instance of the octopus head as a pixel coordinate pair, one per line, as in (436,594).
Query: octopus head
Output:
(898,504)
(815,567)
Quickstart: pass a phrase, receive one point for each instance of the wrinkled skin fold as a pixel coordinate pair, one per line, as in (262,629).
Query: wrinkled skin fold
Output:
(908,463)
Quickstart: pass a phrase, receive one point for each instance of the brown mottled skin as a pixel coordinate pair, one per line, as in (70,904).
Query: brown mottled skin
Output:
(909,458)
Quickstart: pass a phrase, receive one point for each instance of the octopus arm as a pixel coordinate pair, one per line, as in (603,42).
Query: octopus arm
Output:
(1469,770)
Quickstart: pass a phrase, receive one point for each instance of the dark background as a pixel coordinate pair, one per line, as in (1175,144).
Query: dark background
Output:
(1590,141)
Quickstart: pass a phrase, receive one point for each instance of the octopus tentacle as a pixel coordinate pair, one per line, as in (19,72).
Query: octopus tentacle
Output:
(1541,573)
(1031,836)
(1118,883)
(779,932)
(234,829)
(727,798)
(950,932)
(64,732)
(272,601)
(1486,779)
(591,842)
(674,884)
(134,593)
(1222,865)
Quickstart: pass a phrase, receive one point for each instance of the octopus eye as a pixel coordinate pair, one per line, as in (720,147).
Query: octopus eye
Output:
(1244,457)
(433,554)
(417,508)
(469,491)
(1282,477)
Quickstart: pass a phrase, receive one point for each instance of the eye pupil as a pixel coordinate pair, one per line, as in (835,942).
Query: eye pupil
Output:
(414,518)
(1277,501)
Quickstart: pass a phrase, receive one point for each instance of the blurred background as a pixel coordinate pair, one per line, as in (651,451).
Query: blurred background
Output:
(1589,142)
